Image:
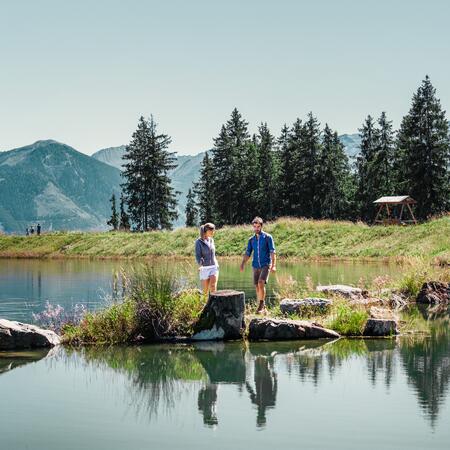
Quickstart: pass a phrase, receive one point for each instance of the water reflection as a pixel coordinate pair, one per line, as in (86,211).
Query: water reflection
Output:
(158,376)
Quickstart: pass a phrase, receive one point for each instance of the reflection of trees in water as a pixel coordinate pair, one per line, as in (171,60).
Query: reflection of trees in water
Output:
(157,373)
(426,362)
(160,374)
(381,360)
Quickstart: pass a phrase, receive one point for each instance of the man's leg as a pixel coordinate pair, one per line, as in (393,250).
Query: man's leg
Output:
(262,295)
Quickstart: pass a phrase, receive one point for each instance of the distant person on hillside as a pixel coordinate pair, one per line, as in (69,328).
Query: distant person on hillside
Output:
(32,230)
(27,232)
(38,229)
(264,261)
(205,254)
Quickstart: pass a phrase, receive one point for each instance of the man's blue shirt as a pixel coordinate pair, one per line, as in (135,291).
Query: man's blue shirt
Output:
(261,248)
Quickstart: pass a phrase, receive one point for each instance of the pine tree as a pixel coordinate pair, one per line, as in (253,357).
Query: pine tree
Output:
(124,218)
(382,164)
(150,198)
(191,210)
(306,168)
(286,179)
(364,166)
(333,178)
(267,172)
(203,191)
(114,220)
(424,153)
(228,155)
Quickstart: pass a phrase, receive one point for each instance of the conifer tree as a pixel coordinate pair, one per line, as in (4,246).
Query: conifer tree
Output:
(333,178)
(228,156)
(383,159)
(286,179)
(306,168)
(203,191)
(267,172)
(191,210)
(424,153)
(124,218)
(364,166)
(150,198)
(114,220)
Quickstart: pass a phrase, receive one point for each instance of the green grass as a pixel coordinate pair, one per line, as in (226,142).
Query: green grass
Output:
(346,320)
(155,306)
(294,238)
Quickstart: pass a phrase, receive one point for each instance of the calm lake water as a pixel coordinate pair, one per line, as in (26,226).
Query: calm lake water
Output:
(26,285)
(345,394)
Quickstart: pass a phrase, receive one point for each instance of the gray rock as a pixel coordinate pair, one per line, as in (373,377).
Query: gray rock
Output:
(278,330)
(222,317)
(341,289)
(17,335)
(381,327)
(434,292)
(305,305)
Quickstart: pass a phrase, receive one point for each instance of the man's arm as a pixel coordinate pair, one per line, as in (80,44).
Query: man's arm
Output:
(273,259)
(273,256)
(247,254)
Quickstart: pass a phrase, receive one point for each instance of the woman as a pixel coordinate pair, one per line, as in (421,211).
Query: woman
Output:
(205,254)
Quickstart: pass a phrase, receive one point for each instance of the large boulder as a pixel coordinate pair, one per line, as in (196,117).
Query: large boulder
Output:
(222,317)
(381,327)
(279,330)
(17,335)
(310,305)
(341,289)
(434,292)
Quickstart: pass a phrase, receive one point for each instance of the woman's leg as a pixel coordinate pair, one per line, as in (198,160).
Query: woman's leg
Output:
(213,282)
(205,286)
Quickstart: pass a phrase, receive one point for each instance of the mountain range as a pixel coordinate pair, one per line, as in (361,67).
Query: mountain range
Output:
(63,189)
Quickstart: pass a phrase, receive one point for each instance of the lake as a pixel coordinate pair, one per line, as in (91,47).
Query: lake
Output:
(343,394)
(26,285)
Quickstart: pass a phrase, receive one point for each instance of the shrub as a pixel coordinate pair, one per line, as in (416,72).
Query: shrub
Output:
(347,320)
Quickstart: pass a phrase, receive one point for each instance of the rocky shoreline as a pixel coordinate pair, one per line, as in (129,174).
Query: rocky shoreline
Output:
(224,318)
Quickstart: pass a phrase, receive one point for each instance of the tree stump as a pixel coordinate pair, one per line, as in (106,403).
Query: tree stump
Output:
(222,317)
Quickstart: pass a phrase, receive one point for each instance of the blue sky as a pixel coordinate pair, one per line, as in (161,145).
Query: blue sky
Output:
(82,72)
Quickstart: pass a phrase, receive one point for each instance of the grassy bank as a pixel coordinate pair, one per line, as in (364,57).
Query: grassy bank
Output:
(293,237)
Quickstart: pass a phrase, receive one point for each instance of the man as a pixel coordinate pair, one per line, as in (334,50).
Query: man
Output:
(263,248)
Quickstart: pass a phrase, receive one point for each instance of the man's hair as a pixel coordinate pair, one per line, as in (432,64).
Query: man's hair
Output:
(257,220)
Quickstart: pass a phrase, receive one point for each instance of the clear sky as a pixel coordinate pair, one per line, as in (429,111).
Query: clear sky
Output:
(82,72)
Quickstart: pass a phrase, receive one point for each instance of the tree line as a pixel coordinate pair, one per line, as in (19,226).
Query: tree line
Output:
(303,172)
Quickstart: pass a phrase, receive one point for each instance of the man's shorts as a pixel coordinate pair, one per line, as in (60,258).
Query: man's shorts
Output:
(208,271)
(261,274)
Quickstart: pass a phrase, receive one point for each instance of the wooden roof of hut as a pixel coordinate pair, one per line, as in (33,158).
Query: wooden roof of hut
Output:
(392,216)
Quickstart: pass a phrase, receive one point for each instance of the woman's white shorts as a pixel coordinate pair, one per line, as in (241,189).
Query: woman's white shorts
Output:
(208,271)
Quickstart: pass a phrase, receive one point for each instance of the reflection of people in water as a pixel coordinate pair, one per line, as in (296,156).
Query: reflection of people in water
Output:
(265,392)
(207,398)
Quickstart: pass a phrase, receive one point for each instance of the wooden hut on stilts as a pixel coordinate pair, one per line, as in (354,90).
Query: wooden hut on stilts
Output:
(395,208)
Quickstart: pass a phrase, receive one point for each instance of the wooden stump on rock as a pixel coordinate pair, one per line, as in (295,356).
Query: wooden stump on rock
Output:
(222,317)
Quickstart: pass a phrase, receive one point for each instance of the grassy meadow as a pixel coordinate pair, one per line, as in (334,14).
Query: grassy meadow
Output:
(293,237)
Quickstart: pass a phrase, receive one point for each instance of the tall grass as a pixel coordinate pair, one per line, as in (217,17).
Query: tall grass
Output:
(158,303)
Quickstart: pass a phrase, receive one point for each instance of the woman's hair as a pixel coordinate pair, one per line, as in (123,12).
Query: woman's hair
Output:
(204,228)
